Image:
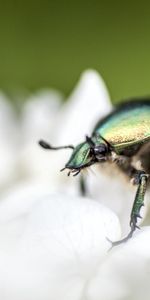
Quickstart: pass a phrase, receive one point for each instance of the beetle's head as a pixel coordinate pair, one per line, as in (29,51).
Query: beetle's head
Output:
(85,155)
(93,150)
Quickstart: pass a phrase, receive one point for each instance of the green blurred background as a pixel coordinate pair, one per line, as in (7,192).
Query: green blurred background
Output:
(49,43)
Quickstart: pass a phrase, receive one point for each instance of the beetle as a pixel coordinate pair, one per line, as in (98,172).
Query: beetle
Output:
(123,138)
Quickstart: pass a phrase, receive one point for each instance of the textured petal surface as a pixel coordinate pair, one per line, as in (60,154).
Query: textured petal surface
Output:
(50,241)
(126,271)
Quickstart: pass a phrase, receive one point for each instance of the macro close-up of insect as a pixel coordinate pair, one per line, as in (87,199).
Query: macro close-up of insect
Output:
(121,138)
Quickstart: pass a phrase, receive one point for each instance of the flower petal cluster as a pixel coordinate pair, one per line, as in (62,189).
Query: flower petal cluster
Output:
(54,241)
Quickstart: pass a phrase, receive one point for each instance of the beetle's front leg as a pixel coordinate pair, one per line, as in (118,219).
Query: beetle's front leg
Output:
(140,178)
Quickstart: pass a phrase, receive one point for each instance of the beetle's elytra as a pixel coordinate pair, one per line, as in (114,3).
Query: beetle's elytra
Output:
(122,137)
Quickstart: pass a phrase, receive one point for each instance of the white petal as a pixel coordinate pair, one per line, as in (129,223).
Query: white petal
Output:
(38,117)
(87,104)
(39,113)
(113,189)
(126,271)
(59,242)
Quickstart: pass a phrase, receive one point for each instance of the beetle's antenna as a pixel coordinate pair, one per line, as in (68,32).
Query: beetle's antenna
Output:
(47,146)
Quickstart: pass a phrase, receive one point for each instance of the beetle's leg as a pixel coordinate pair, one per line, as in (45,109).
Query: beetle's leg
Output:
(140,178)
(83,189)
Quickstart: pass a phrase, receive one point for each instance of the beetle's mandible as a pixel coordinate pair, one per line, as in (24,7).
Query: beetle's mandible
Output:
(122,137)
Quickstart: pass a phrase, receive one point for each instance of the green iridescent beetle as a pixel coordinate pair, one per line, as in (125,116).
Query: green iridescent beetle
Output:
(122,137)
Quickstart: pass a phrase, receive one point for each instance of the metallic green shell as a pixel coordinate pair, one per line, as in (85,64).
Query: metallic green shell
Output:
(127,126)
(80,156)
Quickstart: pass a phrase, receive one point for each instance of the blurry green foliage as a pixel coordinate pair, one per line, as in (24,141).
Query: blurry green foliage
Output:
(49,43)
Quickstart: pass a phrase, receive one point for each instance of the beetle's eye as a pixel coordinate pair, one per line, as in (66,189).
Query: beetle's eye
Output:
(100,149)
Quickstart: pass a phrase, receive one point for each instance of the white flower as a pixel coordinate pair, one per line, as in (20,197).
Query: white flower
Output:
(53,241)
(51,246)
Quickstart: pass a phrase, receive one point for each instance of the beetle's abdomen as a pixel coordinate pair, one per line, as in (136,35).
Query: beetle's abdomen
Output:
(127,126)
